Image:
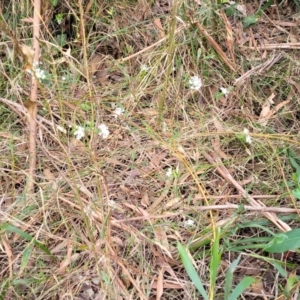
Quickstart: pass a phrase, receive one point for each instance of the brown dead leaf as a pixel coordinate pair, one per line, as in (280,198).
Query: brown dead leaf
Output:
(76,145)
(242,9)
(28,53)
(157,23)
(157,158)
(246,181)
(230,41)
(64,264)
(145,199)
(174,203)
(9,254)
(293,38)
(268,112)
(51,178)
(217,147)
(29,20)
(218,125)
(162,237)
(160,284)
(48,175)
(168,285)
(266,108)
(257,286)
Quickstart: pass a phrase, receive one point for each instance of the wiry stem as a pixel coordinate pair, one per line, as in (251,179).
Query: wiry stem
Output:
(32,122)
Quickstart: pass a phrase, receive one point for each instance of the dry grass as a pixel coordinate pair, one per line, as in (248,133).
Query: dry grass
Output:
(111,211)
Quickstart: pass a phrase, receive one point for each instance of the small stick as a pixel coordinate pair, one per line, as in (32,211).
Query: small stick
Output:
(261,209)
(227,176)
(216,47)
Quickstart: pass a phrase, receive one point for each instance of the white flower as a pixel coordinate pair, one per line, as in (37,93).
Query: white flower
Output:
(189,223)
(103,131)
(195,83)
(118,111)
(144,68)
(247,136)
(112,204)
(224,91)
(63,78)
(79,132)
(169,172)
(40,73)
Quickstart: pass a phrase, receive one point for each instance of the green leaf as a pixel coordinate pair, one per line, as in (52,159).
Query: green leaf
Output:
(294,161)
(215,260)
(229,277)
(296,193)
(250,20)
(25,258)
(191,270)
(27,237)
(54,2)
(283,242)
(241,287)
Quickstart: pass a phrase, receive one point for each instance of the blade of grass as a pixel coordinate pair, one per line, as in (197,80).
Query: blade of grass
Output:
(26,236)
(229,277)
(191,270)
(241,287)
(214,263)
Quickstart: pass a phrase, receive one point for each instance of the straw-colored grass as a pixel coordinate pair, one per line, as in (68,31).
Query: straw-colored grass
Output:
(111,211)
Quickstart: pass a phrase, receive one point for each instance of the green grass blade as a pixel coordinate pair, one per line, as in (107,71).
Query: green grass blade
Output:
(25,258)
(27,237)
(215,262)
(191,270)
(229,277)
(241,287)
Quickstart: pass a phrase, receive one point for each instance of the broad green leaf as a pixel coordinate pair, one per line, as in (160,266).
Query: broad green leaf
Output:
(191,270)
(229,277)
(284,242)
(241,287)
(250,20)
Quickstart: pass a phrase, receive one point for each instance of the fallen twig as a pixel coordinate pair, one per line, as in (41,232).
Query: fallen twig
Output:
(215,160)
(260,209)
(32,121)
(216,47)
(277,46)
(260,68)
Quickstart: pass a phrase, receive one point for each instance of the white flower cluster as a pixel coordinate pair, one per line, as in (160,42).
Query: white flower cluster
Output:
(103,131)
(195,83)
(189,223)
(118,112)
(224,91)
(39,73)
(247,136)
(79,132)
(169,172)
(144,68)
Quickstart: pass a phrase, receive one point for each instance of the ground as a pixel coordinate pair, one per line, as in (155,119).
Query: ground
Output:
(167,143)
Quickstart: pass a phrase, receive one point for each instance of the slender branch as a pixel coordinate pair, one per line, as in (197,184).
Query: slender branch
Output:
(32,122)
(223,171)
(261,209)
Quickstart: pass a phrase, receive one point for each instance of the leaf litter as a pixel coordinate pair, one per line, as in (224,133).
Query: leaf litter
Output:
(127,250)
